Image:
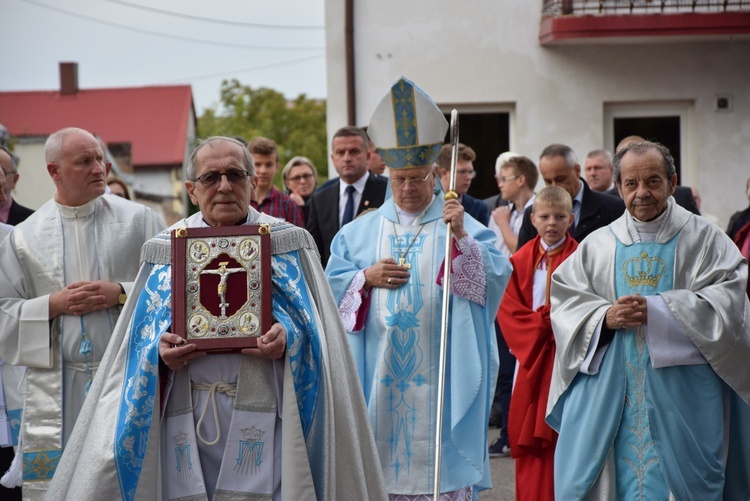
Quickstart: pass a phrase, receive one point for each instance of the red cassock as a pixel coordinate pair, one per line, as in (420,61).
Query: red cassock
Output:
(528,333)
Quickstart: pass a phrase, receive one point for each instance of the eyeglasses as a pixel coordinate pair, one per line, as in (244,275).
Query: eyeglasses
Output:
(234,176)
(401,183)
(471,173)
(301,177)
(504,179)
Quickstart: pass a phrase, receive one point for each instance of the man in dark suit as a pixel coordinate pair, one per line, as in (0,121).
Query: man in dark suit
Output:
(11,212)
(357,190)
(464,174)
(559,167)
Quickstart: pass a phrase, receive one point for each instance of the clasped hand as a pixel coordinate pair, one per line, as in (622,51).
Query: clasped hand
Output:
(628,311)
(81,298)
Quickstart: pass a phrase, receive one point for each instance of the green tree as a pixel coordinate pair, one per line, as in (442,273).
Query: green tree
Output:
(298,126)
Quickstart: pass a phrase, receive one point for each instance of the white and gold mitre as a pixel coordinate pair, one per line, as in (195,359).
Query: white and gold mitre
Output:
(407,127)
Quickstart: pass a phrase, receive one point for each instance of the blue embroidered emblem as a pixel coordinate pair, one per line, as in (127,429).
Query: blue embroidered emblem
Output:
(403,355)
(250,455)
(184,462)
(40,465)
(404,114)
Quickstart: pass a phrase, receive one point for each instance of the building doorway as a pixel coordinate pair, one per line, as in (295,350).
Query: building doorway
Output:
(669,123)
(488,134)
(665,130)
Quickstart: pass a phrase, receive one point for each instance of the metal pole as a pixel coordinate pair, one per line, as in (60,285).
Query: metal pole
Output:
(451,195)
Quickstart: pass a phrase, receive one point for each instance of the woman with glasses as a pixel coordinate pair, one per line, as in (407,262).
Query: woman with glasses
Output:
(300,178)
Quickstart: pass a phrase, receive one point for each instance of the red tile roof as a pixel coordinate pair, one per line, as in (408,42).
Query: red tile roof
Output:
(153,119)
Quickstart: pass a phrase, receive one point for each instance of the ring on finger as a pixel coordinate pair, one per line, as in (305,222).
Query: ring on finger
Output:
(390,280)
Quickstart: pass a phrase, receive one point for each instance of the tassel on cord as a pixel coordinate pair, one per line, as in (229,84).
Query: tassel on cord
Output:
(85,349)
(86,346)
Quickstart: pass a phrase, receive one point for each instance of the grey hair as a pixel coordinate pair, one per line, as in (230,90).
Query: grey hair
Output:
(601,153)
(641,148)
(247,159)
(53,145)
(503,159)
(561,150)
(295,162)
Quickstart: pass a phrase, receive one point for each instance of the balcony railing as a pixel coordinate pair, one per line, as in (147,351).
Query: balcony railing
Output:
(625,7)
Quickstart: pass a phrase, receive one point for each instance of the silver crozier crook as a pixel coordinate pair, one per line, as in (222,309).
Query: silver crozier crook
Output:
(451,195)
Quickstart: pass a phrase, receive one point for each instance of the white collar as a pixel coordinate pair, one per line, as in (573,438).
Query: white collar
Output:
(359,184)
(79,211)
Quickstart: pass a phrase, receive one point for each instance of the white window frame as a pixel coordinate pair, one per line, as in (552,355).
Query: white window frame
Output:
(685,109)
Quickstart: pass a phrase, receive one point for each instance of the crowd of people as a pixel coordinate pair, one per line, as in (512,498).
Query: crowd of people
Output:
(588,320)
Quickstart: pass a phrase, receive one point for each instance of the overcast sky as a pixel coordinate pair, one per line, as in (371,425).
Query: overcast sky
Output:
(120,43)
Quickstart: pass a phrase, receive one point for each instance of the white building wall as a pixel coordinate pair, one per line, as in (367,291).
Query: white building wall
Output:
(487,54)
(156,182)
(34,186)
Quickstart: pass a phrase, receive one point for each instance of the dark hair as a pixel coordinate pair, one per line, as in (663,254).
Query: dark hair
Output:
(525,167)
(121,183)
(641,148)
(263,146)
(352,131)
(465,153)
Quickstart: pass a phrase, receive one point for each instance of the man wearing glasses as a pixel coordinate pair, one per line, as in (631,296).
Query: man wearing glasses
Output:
(386,272)
(293,399)
(465,173)
(11,212)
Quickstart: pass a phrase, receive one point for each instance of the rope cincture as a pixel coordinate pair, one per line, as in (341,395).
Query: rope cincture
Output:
(217,387)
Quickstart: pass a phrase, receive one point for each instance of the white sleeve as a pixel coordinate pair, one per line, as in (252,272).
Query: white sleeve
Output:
(668,343)
(594,356)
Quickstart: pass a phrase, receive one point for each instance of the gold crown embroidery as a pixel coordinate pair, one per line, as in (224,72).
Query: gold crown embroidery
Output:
(644,271)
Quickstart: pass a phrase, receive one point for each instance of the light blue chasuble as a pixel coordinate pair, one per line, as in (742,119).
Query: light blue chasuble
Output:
(397,352)
(642,415)
(661,403)
(645,269)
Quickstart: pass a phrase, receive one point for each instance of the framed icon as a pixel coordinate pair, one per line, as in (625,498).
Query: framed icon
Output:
(221,286)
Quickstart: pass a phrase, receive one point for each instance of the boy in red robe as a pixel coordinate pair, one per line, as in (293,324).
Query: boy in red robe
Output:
(525,322)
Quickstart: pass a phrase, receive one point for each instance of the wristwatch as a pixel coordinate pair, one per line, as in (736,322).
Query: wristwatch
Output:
(122,297)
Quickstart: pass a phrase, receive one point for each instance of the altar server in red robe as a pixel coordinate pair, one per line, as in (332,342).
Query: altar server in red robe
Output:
(524,318)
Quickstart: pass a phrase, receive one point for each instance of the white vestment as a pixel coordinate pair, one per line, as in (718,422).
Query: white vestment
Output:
(53,248)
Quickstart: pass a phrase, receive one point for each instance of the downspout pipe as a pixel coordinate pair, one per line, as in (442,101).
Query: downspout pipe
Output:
(351,101)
